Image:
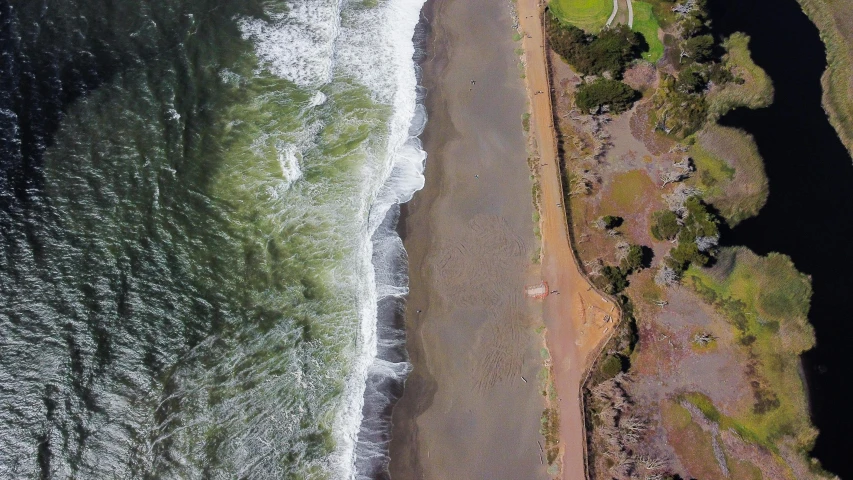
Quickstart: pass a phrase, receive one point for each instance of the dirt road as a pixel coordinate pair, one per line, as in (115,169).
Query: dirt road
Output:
(575,318)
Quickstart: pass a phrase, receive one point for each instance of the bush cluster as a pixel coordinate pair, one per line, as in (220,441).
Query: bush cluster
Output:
(679,109)
(609,51)
(603,92)
(665,225)
(613,279)
(611,221)
(700,48)
(697,232)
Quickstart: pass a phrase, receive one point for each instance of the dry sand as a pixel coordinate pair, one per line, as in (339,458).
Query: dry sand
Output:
(466,412)
(576,318)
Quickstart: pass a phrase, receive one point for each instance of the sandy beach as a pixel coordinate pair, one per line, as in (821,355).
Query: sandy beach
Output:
(472,406)
(466,411)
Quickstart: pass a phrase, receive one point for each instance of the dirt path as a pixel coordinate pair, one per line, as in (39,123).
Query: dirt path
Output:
(616,10)
(630,13)
(613,14)
(574,317)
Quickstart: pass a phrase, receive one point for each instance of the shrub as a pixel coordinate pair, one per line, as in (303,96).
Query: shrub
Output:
(611,221)
(700,221)
(612,280)
(691,80)
(701,48)
(605,92)
(611,366)
(687,253)
(697,236)
(678,113)
(665,225)
(719,74)
(633,260)
(695,21)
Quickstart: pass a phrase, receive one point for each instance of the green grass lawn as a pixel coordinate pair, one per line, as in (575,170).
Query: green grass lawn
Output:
(590,15)
(646,23)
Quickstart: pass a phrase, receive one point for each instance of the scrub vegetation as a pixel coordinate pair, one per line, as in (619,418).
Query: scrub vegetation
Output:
(730,172)
(751,88)
(701,378)
(835,23)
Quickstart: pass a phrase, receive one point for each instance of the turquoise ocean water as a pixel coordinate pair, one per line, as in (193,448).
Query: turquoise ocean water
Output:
(197,207)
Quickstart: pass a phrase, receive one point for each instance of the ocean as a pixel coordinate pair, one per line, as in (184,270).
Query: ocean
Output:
(198,201)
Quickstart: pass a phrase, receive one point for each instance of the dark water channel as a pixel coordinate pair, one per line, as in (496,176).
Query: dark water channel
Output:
(809,214)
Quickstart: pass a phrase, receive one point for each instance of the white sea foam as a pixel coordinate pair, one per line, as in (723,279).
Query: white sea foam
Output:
(289,164)
(297,45)
(312,44)
(318,99)
(376,47)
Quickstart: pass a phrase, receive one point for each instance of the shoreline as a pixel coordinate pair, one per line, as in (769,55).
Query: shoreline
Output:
(800,108)
(387,372)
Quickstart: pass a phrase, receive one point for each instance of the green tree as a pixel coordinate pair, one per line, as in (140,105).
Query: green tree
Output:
(699,220)
(665,225)
(605,92)
(696,21)
(633,260)
(612,280)
(614,49)
(685,253)
(569,41)
(691,80)
(610,51)
(701,48)
(699,224)
(719,74)
(611,221)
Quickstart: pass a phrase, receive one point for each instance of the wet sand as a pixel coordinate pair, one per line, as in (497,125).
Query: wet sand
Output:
(466,411)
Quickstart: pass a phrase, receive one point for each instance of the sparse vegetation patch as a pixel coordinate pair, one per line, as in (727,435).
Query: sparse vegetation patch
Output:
(730,172)
(766,301)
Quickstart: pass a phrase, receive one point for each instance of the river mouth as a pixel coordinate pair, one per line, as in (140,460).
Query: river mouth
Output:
(806,216)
